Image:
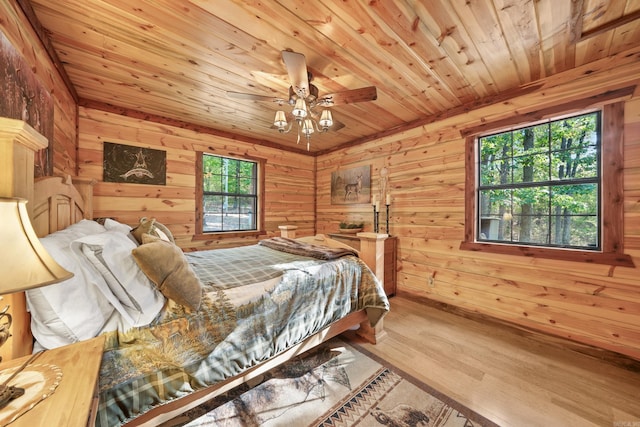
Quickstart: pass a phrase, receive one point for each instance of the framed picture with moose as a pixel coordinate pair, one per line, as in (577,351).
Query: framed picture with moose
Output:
(351,186)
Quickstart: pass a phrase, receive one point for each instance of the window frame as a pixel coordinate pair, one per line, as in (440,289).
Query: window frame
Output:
(611,185)
(549,183)
(199,195)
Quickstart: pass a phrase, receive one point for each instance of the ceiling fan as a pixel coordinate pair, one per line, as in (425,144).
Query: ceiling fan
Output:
(304,98)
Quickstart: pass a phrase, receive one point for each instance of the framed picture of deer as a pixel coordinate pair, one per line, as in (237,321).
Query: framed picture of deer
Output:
(351,186)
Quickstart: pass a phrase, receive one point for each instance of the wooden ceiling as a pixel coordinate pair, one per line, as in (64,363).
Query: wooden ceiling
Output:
(176,59)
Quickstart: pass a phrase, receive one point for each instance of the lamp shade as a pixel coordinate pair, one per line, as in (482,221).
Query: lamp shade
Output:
(24,262)
(326,120)
(280,121)
(307,127)
(299,109)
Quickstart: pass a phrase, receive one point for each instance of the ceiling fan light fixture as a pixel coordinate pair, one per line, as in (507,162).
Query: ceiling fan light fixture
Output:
(280,121)
(326,120)
(299,109)
(305,101)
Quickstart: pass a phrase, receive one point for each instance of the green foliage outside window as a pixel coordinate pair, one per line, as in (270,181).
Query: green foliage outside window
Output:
(540,185)
(230,197)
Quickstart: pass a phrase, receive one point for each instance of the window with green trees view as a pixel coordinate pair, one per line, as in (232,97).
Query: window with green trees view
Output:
(540,185)
(229,194)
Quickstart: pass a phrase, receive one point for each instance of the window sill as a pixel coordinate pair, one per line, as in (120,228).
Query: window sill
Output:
(607,258)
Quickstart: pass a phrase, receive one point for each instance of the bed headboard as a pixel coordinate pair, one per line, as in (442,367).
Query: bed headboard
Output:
(57,202)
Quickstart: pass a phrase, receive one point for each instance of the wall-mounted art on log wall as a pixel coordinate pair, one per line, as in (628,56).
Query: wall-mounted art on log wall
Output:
(351,186)
(24,97)
(126,163)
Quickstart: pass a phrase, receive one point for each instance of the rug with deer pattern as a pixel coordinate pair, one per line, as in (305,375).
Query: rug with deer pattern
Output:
(332,385)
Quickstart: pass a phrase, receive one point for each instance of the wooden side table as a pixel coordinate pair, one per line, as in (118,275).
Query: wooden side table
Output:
(74,401)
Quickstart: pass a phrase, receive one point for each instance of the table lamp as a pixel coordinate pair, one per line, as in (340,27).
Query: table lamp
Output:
(24,264)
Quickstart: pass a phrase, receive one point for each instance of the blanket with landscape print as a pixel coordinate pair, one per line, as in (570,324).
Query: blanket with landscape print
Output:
(245,317)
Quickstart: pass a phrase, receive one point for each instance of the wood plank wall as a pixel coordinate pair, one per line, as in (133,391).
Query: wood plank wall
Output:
(592,304)
(16,28)
(18,31)
(290,177)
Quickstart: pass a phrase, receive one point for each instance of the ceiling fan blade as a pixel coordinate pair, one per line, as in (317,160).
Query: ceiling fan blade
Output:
(349,96)
(252,97)
(337,125)
(297,69)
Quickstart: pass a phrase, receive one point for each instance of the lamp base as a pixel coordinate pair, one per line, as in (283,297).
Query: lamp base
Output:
(38,381)
(7,394)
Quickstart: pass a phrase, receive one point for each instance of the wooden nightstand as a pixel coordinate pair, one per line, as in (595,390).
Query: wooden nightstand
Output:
(72,403)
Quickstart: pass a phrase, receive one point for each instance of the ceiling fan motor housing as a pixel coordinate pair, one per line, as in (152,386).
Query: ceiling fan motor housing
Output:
(309,99)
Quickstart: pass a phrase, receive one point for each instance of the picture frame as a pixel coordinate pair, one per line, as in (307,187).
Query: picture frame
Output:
(25,97)
(134,165)
(351,186)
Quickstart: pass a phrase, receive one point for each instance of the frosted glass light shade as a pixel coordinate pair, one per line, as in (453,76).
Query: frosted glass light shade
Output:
(326,120)
(307,127)
(299,109)
(280,121)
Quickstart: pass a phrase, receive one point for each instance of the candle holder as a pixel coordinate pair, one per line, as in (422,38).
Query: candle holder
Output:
(387,229)
(375,219)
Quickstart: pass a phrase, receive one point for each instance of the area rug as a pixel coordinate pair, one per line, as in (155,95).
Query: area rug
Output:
(335,385)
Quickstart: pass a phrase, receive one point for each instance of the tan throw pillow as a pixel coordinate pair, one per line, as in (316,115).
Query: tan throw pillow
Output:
(165,265)
(145,227)
(163,232)
(152,227)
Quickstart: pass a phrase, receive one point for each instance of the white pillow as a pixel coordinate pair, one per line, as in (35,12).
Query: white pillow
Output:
(129,290)
(113,225)
(84,227)
(75,309)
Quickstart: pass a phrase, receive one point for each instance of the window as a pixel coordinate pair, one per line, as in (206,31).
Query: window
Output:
(551,189)
(229,194)
(540,185)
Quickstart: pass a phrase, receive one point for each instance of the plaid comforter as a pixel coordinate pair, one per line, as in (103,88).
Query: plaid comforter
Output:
(258,302)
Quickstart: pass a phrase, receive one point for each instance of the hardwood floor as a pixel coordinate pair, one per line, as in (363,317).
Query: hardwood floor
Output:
(506,375)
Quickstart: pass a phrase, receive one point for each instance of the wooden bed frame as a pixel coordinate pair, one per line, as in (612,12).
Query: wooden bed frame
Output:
(60,202)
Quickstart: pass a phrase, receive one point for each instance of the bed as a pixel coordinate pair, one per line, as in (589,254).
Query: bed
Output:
(229,316)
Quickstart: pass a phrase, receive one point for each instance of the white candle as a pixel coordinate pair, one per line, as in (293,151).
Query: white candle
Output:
(388,199)
(375,200)
(377,206)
